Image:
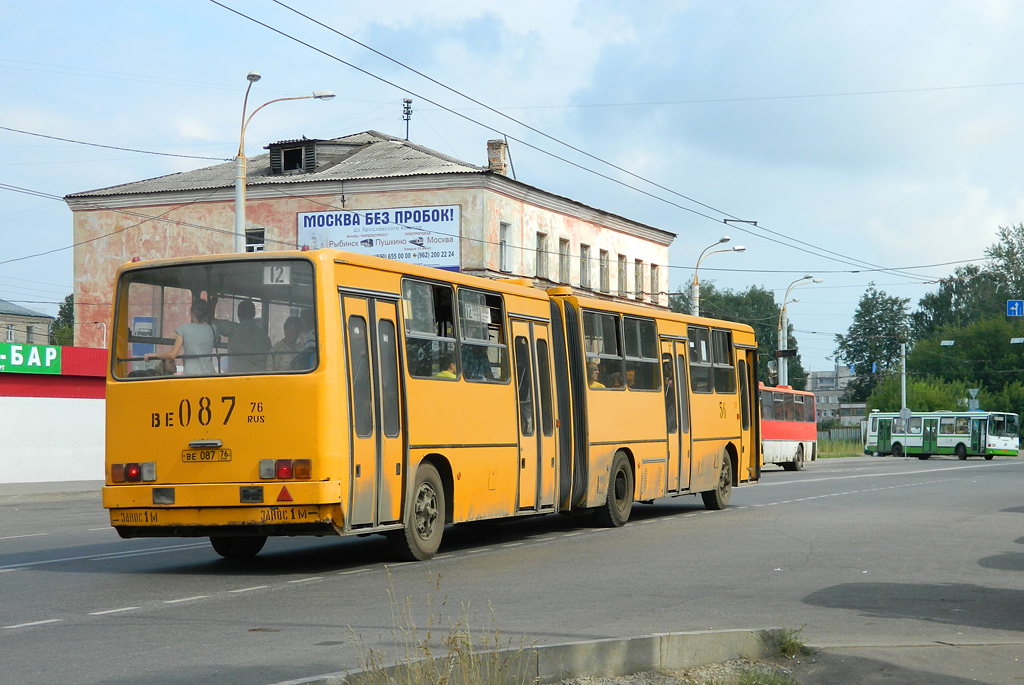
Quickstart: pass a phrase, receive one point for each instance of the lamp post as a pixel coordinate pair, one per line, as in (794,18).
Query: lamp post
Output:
(253,77)
(784,326)
(695,286)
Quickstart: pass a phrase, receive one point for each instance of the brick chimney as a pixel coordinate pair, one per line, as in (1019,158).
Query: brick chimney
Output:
(497,157)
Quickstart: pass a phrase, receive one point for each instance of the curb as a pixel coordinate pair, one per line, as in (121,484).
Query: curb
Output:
(608,658)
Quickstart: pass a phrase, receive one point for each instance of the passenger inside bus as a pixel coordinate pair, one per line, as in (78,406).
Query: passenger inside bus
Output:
(194,340)
(593,372)
(284,350)
(248,343)
(448,368)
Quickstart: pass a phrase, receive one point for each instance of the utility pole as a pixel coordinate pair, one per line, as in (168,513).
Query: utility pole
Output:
(406,114)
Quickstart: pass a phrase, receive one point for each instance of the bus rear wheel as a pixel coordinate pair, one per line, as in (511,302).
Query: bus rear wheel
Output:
(238,547)
(420,538)
(798,460)
(617,507)
(718,498)
(988,457)
(960,452)
(897,450)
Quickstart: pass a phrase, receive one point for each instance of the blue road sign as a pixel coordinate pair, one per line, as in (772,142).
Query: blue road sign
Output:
(1015,307)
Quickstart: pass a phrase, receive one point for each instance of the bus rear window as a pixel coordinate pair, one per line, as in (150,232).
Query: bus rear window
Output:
(213,318)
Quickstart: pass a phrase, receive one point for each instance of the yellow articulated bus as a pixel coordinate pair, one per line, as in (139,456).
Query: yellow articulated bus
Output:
(327,393)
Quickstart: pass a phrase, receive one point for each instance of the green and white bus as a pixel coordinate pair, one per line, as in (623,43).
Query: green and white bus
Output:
(964,434)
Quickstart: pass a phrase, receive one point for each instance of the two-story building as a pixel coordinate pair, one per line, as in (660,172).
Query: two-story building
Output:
(372,193)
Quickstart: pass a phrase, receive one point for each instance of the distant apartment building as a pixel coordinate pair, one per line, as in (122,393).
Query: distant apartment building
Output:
(828,388)
(21,325)
(370,193)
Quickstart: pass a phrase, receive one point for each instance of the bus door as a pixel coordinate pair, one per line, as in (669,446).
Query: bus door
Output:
(677,414)
(375,417)
(749,460)
(532,364)
(884,436)
(977,436)
(930,442)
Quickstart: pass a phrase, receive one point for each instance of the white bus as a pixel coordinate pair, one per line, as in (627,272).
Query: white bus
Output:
(964,434)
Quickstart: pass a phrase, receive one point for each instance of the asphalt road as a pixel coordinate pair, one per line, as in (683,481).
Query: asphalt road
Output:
(859,551)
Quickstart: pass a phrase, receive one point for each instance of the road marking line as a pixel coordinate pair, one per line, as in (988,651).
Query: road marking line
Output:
(185,599)
(103,528)
(108,555)
(306,580)
(250,589)
(35,623)
(112,611)
(513,544)
(348,573)
(27,535)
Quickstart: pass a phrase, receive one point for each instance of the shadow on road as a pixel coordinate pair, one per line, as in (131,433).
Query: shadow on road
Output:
(951,604)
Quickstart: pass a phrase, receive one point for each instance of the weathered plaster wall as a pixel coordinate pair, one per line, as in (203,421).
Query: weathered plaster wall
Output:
(106,239)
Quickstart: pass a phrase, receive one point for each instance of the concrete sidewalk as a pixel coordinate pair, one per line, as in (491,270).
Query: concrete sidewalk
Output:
(40,492)
(931,664)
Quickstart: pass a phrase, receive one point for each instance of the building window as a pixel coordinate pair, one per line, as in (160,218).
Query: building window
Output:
(504,258)
(584,266)
(10,333)
(605,275)
(291,159)
(255,240)
(622,275)
(655,289)
(542,255)
(638,279)
(563,260)
(30,334)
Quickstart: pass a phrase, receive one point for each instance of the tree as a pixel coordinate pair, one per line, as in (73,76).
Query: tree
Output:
(966,297)
(872,343)
(1006,259)
(63,330)
(755,307)
(924,393)
(981,353)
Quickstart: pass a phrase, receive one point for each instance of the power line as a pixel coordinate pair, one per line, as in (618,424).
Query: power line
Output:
(112,147)
(817,250)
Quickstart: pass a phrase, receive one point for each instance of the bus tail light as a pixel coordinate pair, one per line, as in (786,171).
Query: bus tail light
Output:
(286,469)
(133,472)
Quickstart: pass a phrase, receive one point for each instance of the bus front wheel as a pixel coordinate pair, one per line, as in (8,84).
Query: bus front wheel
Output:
(798,460)
(424,519)
(897,449)
(238,547)
(960,452)
(615,511)
(719,497)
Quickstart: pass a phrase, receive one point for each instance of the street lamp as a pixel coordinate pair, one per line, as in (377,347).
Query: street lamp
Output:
(784,326)
(695,286)
(253,77)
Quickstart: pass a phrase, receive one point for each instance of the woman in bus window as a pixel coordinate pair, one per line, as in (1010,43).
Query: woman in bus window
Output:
(195,339)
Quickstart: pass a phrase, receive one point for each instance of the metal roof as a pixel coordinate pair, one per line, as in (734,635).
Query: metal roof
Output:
(17,310)
(376,155)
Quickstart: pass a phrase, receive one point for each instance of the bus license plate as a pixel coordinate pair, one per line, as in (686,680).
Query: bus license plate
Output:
(205,456)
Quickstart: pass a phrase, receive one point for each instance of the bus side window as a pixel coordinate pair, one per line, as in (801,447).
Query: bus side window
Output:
(725,370)
(641,347)
(809,415)
(604,351)
(524,385)
(766,406)
(482,329)
(429,330)
(700,359)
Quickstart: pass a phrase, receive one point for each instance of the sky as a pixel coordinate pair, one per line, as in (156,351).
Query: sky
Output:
(871,142)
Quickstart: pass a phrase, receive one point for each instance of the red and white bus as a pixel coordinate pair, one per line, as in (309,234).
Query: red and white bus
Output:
(789,427)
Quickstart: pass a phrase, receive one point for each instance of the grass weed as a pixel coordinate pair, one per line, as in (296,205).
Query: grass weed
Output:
(444,651)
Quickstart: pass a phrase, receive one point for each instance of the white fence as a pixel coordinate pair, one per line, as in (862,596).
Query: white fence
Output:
(45,439)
